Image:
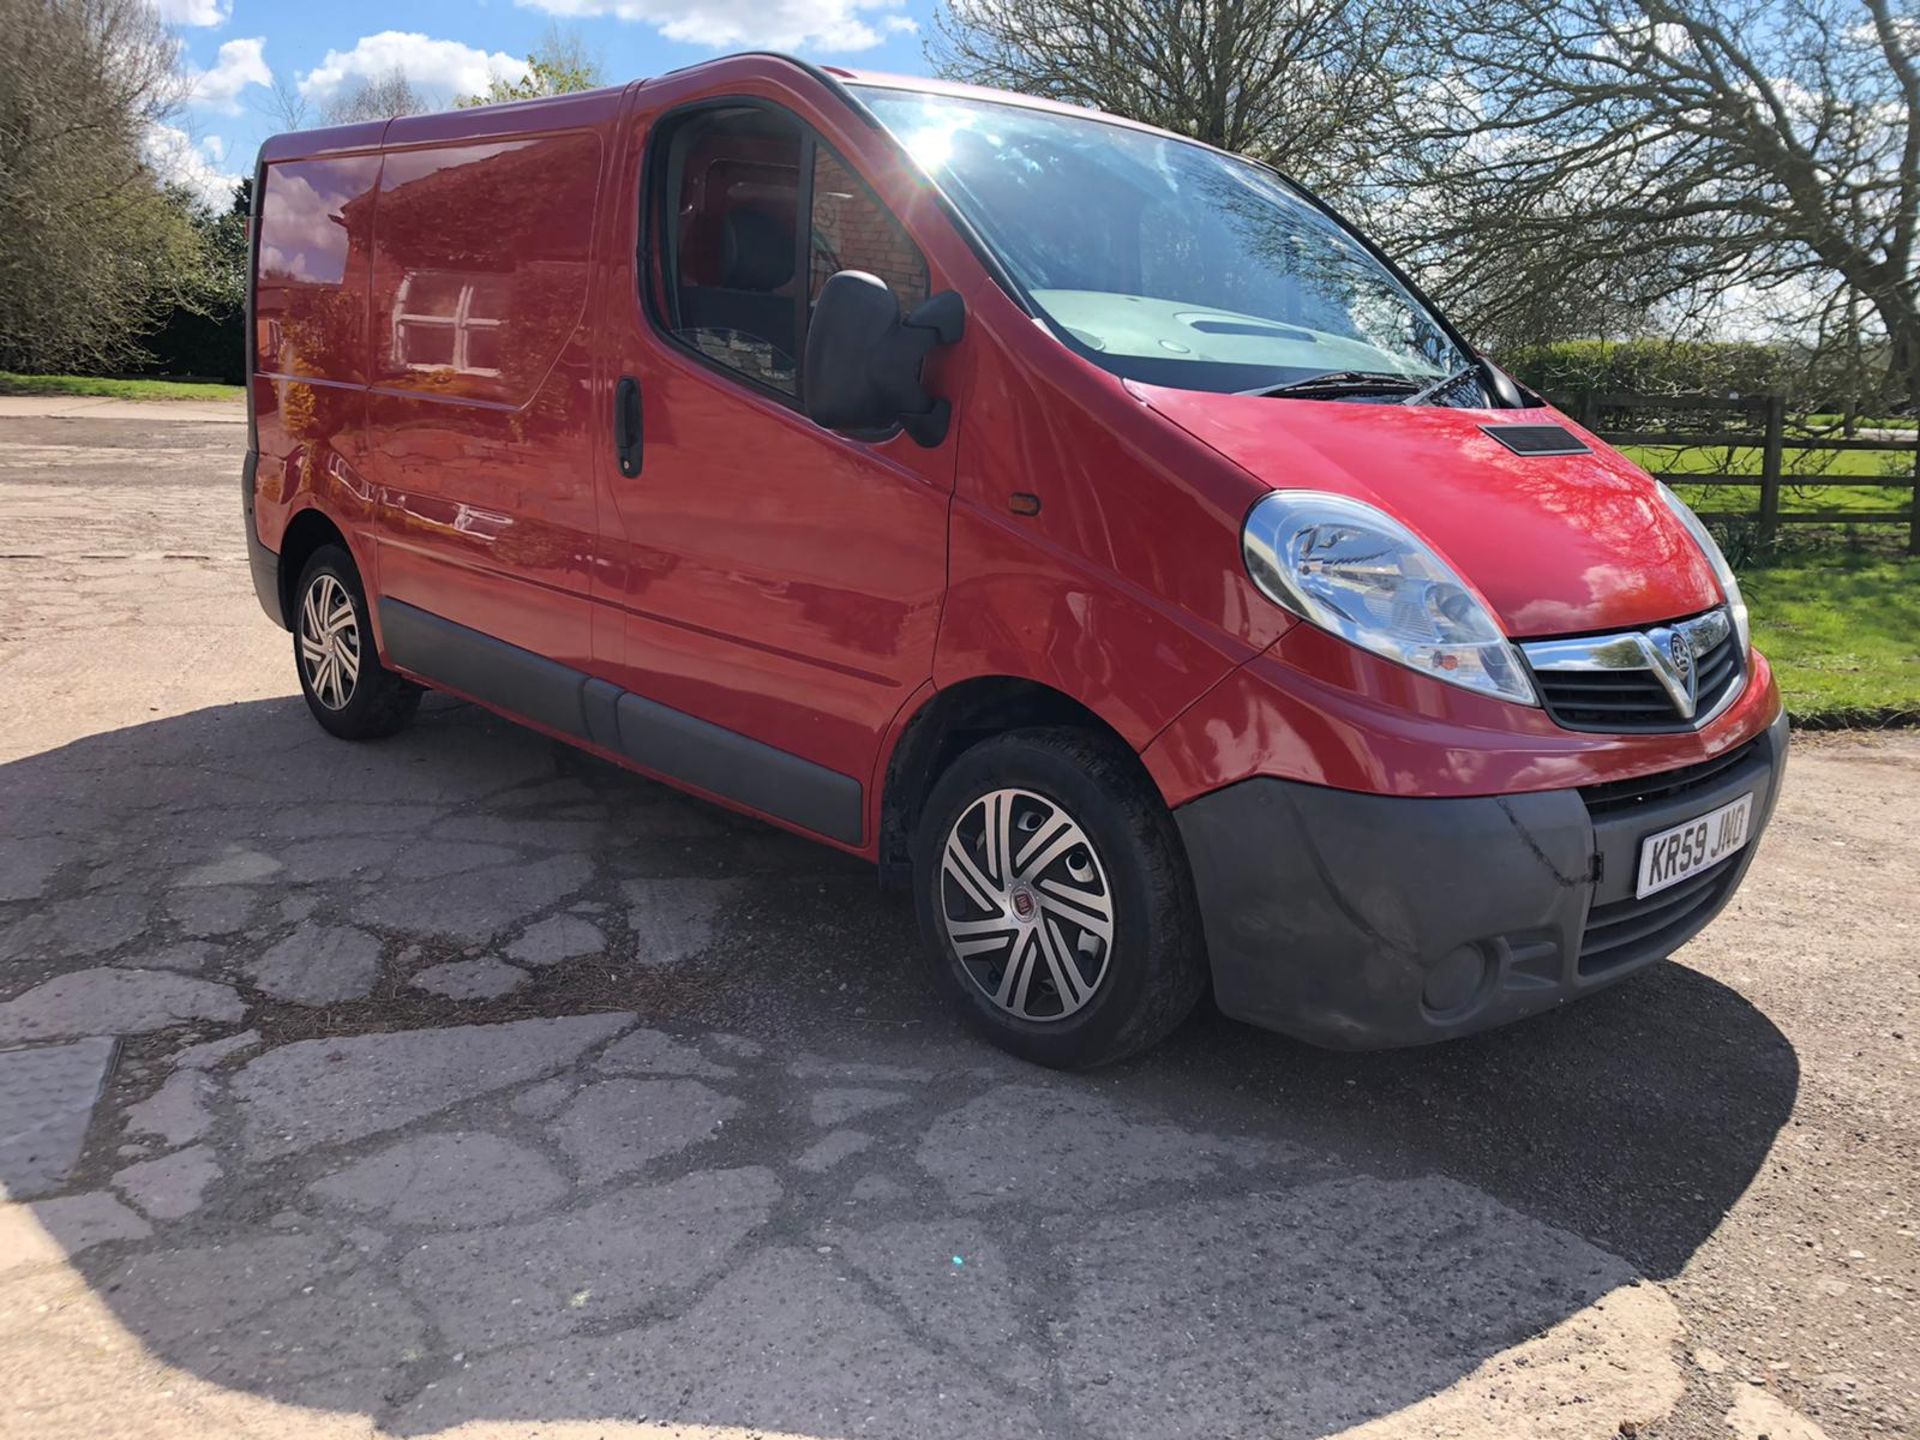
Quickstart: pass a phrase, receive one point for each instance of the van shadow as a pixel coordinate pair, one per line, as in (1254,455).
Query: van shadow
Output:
(792,1195)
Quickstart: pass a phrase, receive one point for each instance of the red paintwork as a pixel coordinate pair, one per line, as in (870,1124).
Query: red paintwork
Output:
(815,592)
(1314,708)
(309,343)
(1555,544)
(760,572)
(1104,594)
(485,465)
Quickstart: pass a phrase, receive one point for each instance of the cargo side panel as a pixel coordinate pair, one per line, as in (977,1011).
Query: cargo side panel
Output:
(480,403)
(313,258)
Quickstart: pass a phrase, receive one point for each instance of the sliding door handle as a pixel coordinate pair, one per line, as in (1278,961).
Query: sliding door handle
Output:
(628,426)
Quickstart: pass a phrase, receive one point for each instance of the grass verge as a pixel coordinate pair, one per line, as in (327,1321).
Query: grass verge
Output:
(1843,633)
(12,384)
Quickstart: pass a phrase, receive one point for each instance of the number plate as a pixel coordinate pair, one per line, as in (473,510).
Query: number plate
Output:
(1672,855)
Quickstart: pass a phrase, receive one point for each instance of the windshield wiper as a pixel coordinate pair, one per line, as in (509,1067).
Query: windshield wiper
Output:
(1440,386)
(1340,382)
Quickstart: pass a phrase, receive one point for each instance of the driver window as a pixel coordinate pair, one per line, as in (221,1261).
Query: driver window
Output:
(733,250)
(736,282)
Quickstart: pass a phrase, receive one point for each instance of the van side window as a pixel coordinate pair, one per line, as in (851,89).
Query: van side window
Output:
(754,213)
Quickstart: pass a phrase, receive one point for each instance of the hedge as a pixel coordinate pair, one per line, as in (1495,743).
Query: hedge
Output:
(1652,367)
(208,347)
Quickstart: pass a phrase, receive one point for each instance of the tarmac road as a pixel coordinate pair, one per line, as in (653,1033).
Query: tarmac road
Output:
(462,1083)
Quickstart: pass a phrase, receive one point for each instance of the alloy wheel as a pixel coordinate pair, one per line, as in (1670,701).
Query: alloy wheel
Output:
(329,641)
(1026,904)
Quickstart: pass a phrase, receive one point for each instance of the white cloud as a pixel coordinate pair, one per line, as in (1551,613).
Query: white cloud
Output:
(444,68)
(177,158)
(195,13)
(239,64)
(771,24)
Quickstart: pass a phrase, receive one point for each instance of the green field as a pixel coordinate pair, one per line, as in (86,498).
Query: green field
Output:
(1835,609)
(1843,633)
(1797,493)
(1829,421)
(11,384)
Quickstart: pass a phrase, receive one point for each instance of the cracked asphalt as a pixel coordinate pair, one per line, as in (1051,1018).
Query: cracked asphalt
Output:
(463,1084)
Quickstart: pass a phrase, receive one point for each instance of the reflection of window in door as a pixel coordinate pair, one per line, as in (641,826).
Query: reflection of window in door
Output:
(448,322)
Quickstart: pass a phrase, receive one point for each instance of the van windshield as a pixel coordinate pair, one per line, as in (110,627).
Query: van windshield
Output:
(1168,262)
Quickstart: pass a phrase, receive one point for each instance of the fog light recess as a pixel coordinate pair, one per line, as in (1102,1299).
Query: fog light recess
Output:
(1456,982)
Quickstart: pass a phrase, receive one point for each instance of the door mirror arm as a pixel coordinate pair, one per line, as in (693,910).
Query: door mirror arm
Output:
(938,320)
(1506,394)
(862,370)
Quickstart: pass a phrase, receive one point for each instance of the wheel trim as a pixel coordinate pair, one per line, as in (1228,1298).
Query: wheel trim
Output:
(1026,905)
(329,642)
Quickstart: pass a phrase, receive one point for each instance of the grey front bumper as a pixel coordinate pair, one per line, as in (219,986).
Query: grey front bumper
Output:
(1367,921)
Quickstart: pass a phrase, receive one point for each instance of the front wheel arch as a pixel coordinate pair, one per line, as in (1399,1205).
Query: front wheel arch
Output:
(949,723)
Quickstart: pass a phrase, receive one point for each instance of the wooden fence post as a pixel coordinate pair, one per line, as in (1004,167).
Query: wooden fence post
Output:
(1913,501)
(1770,469)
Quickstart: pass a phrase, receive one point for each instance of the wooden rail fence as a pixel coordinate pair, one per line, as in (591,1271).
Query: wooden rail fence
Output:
(1767,429)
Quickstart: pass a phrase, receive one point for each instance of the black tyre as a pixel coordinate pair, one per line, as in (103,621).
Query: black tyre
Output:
(1055,899)
(348,690)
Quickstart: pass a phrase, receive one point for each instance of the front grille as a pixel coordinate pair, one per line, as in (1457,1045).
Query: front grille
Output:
(1635,700)
(1622,932)
(1614,796)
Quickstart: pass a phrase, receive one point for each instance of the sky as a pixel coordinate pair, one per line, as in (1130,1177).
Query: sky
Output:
(235,50)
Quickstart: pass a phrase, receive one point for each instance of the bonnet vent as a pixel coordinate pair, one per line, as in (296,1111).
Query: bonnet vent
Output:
(1537,439)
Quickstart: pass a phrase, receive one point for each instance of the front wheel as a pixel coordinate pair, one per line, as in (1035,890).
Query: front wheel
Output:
(348,690)
(1055,899)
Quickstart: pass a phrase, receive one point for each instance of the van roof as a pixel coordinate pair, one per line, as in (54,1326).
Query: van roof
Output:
(588,107)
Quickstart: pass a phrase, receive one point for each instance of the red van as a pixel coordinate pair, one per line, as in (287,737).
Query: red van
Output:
(1084,525)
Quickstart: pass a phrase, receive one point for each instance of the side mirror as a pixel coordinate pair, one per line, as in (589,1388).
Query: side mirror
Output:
(1500,385)
(863,360)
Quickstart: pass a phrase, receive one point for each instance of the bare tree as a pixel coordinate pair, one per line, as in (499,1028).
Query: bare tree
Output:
(93,249)
(1758,156)
(1301,84)
(378,97)
(284,106)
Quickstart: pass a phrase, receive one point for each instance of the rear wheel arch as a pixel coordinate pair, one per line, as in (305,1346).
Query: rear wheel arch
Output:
(946,726)
(307,532)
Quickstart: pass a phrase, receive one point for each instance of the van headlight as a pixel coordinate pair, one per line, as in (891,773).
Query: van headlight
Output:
(1723,572)
(1356,571)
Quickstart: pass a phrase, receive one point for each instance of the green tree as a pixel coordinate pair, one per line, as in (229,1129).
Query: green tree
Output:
(93,249)
(203,333)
